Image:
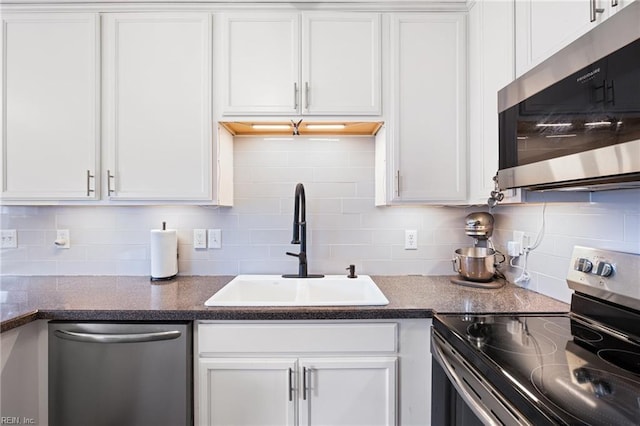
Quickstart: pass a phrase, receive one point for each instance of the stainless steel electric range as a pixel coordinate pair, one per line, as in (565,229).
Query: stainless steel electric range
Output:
(581,368)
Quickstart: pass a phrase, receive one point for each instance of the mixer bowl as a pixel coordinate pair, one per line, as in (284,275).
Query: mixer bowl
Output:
(475,263)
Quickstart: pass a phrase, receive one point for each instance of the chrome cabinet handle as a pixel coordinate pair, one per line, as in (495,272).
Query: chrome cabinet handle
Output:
(109,177)
(304,383)
(89,190)
(295,95)
(117,338)
(614,3)
(290,384)
(593,10)
(398,183)
(306,95)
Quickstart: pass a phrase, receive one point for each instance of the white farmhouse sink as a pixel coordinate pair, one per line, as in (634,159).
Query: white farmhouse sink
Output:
(273,290)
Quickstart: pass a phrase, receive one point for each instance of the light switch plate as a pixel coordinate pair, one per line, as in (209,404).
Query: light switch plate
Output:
(199,239)
(215,238)
(9,238)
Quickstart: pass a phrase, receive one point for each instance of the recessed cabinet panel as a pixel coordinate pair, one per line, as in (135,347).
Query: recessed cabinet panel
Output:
(301,64)
(349,391)
(158,126)
(247,391)
(261,63)
(50,92)
(429,144)
(341,63)
(543,27)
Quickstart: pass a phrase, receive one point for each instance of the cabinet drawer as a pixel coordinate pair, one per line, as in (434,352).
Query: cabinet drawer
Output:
(298,338)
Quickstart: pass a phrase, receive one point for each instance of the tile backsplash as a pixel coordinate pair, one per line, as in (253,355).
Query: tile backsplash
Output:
(344,227)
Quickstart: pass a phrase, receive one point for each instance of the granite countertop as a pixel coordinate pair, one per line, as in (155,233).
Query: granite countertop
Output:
(135,298)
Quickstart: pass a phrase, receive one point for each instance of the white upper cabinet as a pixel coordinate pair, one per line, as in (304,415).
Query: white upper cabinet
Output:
(427,150)
(544,27)
(309,63)
(261,63)
(157,106)
(50,94)
(490,69)
(341,70)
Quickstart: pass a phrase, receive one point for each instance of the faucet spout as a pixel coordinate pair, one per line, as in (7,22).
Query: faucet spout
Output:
(300,234)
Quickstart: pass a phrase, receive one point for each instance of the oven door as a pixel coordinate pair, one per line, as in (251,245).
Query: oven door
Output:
(461,396)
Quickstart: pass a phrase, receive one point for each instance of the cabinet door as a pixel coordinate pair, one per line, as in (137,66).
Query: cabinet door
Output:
(490,69)
(428,129)
(247,391)
(261,63)
(49,106)
(158,124)
(341,63)
(348,391)
(544,27)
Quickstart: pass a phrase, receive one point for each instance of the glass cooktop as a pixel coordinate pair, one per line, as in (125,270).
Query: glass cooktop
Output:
(557,365)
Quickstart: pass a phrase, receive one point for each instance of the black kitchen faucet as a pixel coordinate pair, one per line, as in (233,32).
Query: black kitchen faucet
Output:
(300,234)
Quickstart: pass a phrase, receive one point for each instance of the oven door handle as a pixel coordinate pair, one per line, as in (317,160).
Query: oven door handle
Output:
(469,398)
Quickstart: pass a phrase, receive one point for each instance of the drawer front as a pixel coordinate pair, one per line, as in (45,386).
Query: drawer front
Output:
(298,338)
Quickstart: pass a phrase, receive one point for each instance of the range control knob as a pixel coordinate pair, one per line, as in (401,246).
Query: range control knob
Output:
(583,265)
(604,269)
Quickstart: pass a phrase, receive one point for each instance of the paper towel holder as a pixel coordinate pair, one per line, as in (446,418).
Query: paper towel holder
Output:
(168,277)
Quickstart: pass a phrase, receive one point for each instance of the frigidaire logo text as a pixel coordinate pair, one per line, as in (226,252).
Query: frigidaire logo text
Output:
(588,76)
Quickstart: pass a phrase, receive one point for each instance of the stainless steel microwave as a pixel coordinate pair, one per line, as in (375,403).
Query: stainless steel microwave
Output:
(573,121)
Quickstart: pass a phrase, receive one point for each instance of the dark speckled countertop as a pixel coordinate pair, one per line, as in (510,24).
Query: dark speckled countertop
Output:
(113,298)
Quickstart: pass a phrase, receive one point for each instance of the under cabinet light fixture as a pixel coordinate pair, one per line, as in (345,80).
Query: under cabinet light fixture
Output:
(553,124)
(325,126)
(271,126)
(602,123)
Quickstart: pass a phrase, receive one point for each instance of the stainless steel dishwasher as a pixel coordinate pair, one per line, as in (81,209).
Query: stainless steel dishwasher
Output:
(120,374)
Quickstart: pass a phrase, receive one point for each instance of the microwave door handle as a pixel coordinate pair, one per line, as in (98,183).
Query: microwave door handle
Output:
(470,399)
(117,338)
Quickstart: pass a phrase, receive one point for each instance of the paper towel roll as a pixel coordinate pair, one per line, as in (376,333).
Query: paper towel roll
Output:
(164,254)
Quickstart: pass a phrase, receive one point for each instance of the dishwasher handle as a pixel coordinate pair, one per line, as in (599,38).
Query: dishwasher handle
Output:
(118,338)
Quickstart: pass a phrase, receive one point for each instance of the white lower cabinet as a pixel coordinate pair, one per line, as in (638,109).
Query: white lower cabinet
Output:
(312,373)
(247,391)
(316,391)
(24,374)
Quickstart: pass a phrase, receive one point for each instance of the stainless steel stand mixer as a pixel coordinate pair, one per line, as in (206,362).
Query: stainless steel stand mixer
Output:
(476,266)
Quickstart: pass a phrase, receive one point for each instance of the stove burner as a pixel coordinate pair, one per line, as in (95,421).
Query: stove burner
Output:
(589,336)
(592,396)
(577,331)
(510,335)
(626,360)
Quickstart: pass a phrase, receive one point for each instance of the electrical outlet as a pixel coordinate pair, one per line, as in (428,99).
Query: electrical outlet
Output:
(63,239)
(518,238)
(215,238)
(199,239)
(9,238)
(410,239)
